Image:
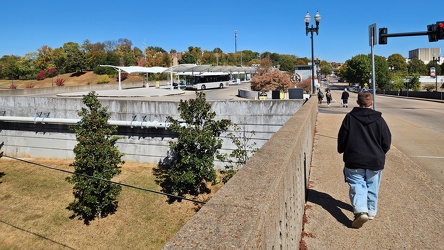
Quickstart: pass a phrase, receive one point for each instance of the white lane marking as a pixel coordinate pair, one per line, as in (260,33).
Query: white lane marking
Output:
(431,157)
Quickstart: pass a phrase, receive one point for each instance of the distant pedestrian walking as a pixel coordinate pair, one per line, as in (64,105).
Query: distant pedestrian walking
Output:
(344,98)
(364,138)
(328,96)
(320,96)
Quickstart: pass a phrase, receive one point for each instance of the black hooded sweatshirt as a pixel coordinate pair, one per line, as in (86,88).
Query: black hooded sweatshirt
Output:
(364,138)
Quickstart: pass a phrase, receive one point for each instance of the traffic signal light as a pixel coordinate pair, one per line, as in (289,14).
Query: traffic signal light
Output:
(431,32)
(440,30)
(382,39)
(435,31)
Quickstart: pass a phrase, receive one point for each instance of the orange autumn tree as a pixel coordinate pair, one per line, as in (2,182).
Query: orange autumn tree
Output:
(271,80)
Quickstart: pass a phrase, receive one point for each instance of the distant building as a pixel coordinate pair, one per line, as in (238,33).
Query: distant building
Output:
(426,54)
(304,71)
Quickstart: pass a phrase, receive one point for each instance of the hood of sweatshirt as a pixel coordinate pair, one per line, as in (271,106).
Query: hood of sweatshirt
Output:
(365,115)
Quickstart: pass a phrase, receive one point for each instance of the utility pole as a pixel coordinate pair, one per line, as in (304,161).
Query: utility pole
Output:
(235,41)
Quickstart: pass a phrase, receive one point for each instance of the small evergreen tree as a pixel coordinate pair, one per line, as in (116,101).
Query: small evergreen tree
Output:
(198,142)
(95,155)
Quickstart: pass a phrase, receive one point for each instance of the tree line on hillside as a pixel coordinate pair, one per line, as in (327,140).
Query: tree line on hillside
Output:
(73,57)
(392,73)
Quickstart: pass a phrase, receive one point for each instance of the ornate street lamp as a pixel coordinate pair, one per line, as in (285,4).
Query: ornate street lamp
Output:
(307,19)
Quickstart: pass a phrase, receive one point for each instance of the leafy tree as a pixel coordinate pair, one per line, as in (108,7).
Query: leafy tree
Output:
(44,60)
(397,63)
(52,72)
(287,63)
(413,82)
(75,57)
(59,59)
(25,66)
(197,144)
(397,82)
(416,65)
(193,55)
(96,155)
(95,54)
(382,75)
(9,67)
(41,75)
(249,57)
(358,69)
(241,154)
(325,68)
(188,58)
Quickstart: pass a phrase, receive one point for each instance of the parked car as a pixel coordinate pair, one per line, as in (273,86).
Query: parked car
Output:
(180,85)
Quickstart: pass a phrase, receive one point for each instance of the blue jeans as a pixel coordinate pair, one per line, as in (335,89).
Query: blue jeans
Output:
(364,187)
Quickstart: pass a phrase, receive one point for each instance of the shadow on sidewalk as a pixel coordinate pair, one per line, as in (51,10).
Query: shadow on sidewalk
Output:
(332,206)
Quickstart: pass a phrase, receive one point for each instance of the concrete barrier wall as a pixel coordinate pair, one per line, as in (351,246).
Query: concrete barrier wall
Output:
(66,89)
(418,94)
(138,144)
(262,206)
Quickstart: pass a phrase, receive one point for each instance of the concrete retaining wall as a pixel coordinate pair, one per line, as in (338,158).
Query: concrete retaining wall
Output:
(138,144)
(262,206)
(67,89)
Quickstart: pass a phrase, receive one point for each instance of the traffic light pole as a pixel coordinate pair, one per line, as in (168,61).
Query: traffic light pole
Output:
(420,33)
(435,32)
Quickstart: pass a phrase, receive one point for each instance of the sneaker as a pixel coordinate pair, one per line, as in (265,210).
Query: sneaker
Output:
(360,219)
(371,217)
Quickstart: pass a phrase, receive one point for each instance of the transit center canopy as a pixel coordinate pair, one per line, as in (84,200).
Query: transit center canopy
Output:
(181,68)
(208,68)
(138,69)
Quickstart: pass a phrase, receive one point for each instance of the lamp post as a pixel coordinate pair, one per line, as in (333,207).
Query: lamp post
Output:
(317,63)
(436,60)
(307,19)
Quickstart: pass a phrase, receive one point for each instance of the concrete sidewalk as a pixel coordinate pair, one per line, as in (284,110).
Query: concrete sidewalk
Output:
(411,204)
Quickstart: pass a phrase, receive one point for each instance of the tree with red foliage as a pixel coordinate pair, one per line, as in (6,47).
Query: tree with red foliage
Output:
(41,75)
(52,72)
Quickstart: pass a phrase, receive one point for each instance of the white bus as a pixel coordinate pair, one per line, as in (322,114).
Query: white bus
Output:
(206,80)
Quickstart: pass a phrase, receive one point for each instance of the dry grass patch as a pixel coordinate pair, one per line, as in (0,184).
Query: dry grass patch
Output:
(33,212)
(71,79)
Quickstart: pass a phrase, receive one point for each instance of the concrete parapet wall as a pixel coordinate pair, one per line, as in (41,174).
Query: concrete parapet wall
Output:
(262,206)
(66,89)
(418,94)
(138,144)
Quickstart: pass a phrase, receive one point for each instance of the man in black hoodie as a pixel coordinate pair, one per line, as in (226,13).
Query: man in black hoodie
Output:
(364,138)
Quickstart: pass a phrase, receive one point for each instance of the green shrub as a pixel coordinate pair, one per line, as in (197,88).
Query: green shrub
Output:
(429,87)
(103,79)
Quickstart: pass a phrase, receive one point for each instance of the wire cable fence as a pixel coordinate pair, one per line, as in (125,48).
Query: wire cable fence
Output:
(101,179)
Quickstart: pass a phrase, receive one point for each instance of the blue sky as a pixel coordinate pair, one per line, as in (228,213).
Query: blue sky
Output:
(274,26)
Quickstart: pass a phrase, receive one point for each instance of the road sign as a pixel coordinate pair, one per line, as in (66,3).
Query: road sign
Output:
(372,36)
